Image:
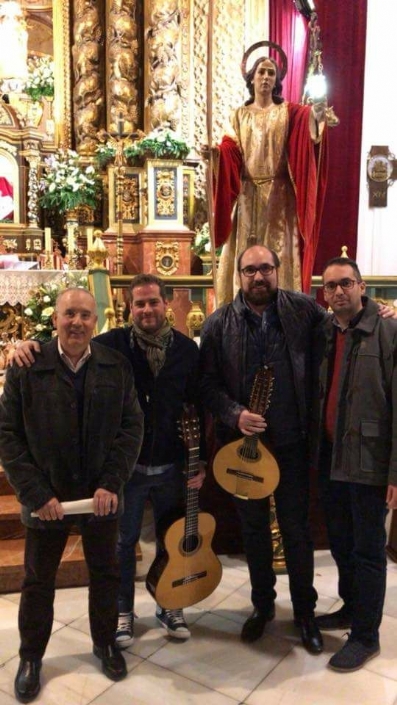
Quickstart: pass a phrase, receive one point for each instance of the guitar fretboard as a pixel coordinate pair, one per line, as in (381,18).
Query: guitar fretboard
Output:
(191,522)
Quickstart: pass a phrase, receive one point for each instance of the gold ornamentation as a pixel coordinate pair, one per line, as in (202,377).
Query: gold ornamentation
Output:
(62,78)
(32,156)
(98,253)
(167,257)
(170,315)
(195,318)
(123,78)
(164,34)
(88,94)
(165,180)
(278,548)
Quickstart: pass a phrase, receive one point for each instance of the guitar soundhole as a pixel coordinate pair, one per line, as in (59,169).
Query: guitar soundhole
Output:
(248,453)
(190,544)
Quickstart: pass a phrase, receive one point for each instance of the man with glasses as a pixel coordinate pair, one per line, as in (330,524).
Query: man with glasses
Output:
(267,325)
(355,444)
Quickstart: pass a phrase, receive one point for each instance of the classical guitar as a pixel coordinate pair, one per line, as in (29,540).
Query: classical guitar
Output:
(246,468)
(187,570)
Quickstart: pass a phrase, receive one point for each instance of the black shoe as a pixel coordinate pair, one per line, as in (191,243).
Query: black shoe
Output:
(27,680)
(341,619)
(254,627)
(113,663)
(352,656)
(310,634)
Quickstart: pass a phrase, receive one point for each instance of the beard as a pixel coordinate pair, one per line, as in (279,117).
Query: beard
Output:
(260,294)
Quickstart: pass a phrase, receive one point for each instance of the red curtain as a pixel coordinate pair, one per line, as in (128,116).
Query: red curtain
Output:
(288,28)
(343,34)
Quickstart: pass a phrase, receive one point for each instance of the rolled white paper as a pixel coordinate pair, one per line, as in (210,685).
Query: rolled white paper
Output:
(80,506)
(47,240)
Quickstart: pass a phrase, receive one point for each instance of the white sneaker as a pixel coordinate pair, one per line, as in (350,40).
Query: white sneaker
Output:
(125,630)
(173,621)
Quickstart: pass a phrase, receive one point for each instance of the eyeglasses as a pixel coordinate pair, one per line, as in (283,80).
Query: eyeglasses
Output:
(265,269)
(331,287)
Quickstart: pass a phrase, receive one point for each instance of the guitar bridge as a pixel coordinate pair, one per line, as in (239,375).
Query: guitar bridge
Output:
(244,475)
(189,579)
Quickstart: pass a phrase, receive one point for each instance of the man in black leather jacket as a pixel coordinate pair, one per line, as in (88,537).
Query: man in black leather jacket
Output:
(267,325)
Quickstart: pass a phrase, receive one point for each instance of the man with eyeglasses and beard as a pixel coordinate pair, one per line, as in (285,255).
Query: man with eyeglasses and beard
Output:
(268,325)
(354,437)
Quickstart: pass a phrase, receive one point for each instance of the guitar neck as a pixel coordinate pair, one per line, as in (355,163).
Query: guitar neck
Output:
(191,523)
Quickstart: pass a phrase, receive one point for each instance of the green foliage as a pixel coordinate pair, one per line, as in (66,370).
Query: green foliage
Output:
(157,145)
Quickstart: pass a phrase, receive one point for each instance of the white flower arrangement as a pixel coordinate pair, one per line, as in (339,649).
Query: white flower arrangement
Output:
(67,185)
(40,77)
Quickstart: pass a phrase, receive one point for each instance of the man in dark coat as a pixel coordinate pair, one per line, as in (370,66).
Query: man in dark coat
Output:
(355,443)
(267,325)
(70,429)
(164,362)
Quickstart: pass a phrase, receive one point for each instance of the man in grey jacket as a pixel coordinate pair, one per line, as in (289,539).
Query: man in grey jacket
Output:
(355,441)
(70,428)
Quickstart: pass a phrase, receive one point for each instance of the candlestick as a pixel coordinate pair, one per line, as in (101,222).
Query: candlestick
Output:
(47,240)
(70,229)
(90,238)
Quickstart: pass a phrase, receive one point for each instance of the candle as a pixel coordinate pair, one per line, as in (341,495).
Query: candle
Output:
(70,229)
(90,238)
(47,240)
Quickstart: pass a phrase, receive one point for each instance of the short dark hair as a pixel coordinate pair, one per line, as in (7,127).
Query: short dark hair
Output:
(276,259)
(144,280)
(343,261)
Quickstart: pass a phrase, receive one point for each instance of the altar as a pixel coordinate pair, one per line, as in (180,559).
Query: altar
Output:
(16,286)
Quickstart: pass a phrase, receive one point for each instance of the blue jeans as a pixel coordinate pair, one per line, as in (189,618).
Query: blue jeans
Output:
(165,493)
(292,508)
(355,516)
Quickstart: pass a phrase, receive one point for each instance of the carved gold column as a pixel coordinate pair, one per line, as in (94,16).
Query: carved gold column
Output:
(163,85)
(62,96)
(89,90)
(31,153)
(123,65)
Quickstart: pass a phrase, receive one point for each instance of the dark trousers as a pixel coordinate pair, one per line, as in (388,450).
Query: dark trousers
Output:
(355,516)
(292,507)
(43,552)
(165,493)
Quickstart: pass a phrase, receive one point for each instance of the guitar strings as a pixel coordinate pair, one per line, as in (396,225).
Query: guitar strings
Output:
(259,402)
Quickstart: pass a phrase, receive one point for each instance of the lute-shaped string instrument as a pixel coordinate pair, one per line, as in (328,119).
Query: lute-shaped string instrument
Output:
(246,468)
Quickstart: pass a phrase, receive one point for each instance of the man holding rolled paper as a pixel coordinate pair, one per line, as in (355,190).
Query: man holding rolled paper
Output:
(70,429)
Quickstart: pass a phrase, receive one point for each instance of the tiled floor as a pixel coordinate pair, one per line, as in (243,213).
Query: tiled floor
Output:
(214,667)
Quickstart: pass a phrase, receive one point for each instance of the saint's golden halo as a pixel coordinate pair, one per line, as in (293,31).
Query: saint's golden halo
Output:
(272,45)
